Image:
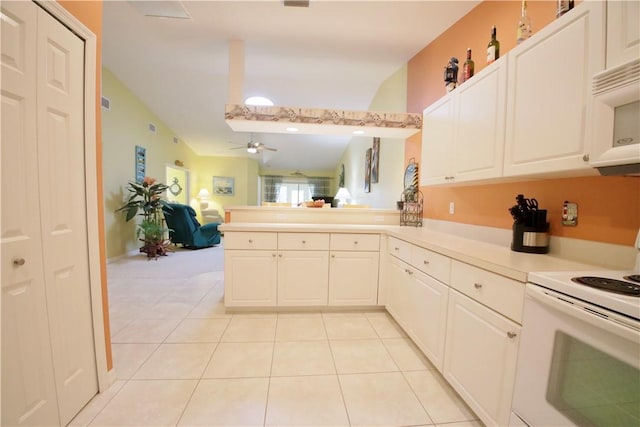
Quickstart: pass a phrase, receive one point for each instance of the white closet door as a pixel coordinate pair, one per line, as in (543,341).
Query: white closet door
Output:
(64,215)
(28,388)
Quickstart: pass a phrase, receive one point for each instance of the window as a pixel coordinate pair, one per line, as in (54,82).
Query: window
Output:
(282,189)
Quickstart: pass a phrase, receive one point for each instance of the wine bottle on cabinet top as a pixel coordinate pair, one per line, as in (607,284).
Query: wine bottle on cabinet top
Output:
(564,6)
(493,48)
(467,67)
(524,24)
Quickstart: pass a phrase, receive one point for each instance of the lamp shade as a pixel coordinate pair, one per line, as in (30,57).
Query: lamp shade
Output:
(342,194)
(204,194)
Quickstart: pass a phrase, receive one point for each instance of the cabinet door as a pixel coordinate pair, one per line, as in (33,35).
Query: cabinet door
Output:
(250,278)
(428,315)
(480,120)
(353,278)
(549,94)
(480,358)
(623,32)
(437,142)
(303,278)
(398,297)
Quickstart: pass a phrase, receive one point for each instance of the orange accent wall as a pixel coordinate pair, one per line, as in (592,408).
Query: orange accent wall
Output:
(608,207)
(90,14)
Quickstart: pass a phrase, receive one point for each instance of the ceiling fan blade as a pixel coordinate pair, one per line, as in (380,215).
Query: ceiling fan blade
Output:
(238,148)
(270,149)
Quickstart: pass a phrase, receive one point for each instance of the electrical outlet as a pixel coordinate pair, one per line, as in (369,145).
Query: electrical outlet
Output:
(452,208)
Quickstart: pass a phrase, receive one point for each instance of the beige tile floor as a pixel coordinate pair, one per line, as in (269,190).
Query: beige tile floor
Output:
(180,360)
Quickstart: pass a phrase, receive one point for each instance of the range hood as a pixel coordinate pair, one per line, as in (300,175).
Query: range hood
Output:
(321,121)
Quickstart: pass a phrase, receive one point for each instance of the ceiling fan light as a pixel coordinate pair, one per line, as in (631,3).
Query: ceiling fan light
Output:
(252,150)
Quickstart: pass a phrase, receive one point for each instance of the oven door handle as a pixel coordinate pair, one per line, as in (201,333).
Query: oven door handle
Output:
(584,312)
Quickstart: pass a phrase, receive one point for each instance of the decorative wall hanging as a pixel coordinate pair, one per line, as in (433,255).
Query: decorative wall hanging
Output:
(375,160)
(141,163)
(367,171)
(175,187)
(341,177)
(223,186)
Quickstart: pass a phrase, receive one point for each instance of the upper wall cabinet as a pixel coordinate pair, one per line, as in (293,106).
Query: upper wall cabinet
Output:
(463,133)
(623,32)
(549,93)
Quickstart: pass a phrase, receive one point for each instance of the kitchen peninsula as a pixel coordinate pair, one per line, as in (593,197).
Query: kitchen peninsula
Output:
(452,295)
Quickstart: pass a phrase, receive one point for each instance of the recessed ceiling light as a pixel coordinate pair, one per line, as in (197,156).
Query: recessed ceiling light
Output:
(358,132)
(258,100)
(292,129)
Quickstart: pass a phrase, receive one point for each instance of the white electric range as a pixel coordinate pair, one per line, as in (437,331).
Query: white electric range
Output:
(579,354)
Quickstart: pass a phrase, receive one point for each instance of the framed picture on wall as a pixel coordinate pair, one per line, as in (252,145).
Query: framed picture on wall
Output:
(141,163)
(367,171)
(375,159)
(223,186)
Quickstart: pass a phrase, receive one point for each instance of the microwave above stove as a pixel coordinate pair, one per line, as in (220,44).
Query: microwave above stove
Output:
(616,127)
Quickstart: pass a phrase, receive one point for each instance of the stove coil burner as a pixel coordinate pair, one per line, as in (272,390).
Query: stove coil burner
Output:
(610,285)
(633,278)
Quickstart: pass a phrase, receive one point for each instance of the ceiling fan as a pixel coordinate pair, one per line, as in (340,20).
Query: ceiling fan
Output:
(254,147)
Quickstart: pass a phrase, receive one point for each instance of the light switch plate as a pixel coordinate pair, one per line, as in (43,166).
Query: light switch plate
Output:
(570,214)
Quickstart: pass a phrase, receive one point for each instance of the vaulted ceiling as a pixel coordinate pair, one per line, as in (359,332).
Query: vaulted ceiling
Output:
(332,54)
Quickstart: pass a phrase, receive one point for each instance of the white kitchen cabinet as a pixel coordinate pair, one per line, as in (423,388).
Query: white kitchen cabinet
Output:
(463,133)
(549,95)
(480,357)
(623,32)
(353,278)
(398,294)
(250,277)
(428,315)
(354,269)
(418,302)
(302,278)
(437,142)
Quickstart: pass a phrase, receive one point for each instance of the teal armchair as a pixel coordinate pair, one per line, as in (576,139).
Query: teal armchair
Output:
(185,229)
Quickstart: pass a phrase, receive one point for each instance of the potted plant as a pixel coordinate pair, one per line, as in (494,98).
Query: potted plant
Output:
(145,199)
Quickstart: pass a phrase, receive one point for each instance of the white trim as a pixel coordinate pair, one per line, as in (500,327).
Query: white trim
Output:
(91,182)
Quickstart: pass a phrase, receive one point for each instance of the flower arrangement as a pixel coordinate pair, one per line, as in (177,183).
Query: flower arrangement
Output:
(145,199)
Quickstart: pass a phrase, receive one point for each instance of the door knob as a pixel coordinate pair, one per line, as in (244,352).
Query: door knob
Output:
(18,262)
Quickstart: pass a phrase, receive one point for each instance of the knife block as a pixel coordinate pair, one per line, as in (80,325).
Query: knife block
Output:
(533,240)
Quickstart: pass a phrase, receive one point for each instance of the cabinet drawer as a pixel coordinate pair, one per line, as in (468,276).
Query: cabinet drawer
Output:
(303,241)
(506,296)
(250,240)
(432,263)
(355,242)
(400,248)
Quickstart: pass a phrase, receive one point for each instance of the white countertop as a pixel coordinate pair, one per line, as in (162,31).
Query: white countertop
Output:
(496,258)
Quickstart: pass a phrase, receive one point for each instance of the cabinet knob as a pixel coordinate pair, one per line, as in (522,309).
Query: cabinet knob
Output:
(585,157)
(396,248)
(333,255)
(280,255)
(18,262)
(273,255)
(425,262)
(304,242)
(511,334)
(250,241)
(355,242)
(477,285)
(409,272)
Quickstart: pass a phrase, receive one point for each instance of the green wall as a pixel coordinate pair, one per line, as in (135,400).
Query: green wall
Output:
(124,126)
(391,96)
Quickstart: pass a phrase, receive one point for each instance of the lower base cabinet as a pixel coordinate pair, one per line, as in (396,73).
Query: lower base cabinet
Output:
(302,278)
(250,278)
(480,357)
(353,278)
(418,302)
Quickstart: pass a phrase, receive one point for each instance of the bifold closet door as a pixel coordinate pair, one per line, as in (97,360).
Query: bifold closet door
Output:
(44,207)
